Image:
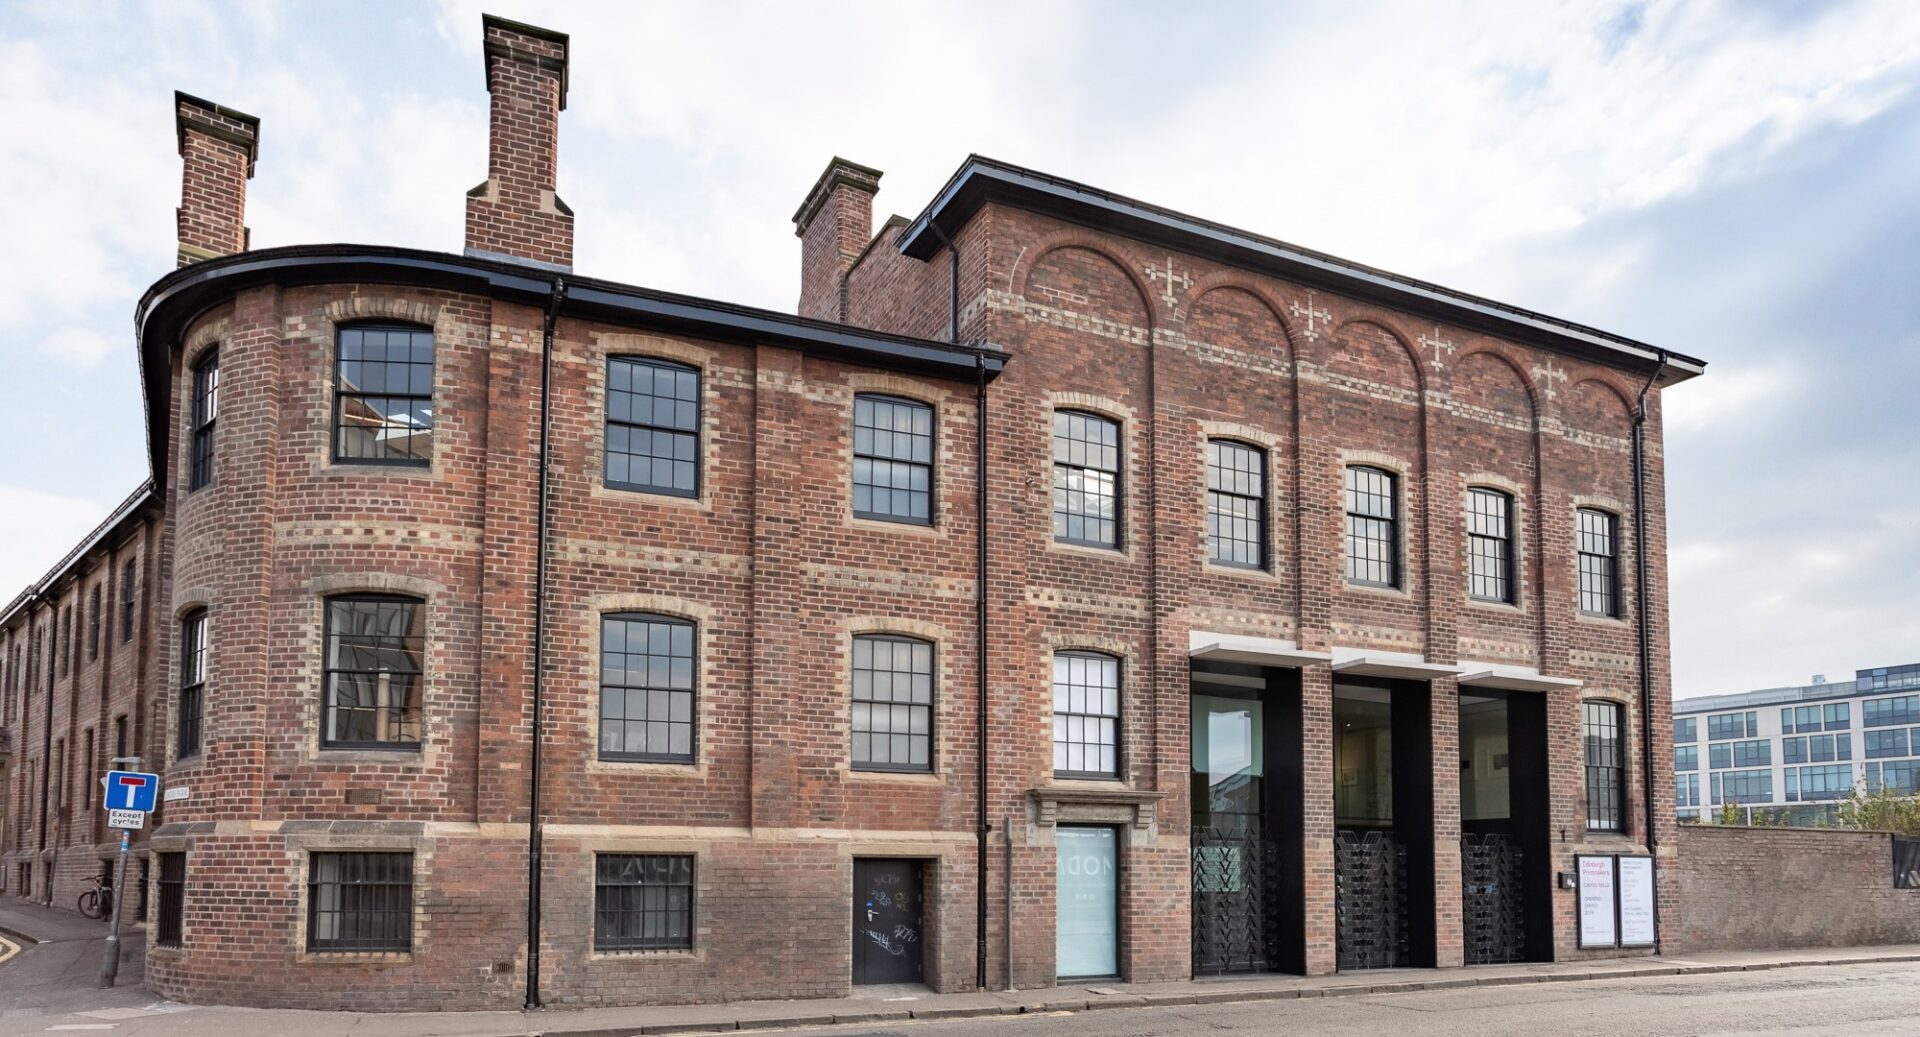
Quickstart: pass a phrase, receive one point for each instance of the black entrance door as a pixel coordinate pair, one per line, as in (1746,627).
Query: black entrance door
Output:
(1383,818)
(886,921)
(1506,896)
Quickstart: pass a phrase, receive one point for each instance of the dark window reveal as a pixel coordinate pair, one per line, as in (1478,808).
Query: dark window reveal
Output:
(653,426)
(1603,727)
(360,902)
(173,899)
(892,703)
(1236,504)
(1489,545)
(646,688)
(205,411)
(374,656)
(1373,528)
(892,459)
(1599,564)
(1086,479)
(383,396)
(193,683)
(1086,715)
(127,597)
(643,902)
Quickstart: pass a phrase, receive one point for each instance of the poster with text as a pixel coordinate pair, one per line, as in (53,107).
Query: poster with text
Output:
(1636,902)
(1597,928)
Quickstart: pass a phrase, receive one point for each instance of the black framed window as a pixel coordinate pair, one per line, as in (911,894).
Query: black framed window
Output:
(1686,757)
(1686,729)
(120,737)
(1838,716)
(193,683)
(205,412)
(1755,786)
(1793,750)
(127,589)
(1888,712)
(1086,479)
(373,661)
(1733,725)
(173,899)
(1490,545)
(646,687)
(653,426)
(1882,744)
(1603,726)
(383,396)
(1373,527)
(643,902)
(892,459)
(1599,564)
(65,624)
(93,624)
(1236,504)
(1755,753)
(360,902)
(892,703)
(1720,755)
(1086,715)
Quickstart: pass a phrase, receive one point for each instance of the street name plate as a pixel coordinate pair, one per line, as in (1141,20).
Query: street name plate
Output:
(126,819)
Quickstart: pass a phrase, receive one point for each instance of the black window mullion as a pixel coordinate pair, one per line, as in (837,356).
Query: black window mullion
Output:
(892,459)
(652,434)
(1086,715)
(173,883)
(648,688)
(1086,479)
(1373,527)
(1490,546)
(205,413)
(1598,555)
(193,679)
(1603,729)
(643,902)
(372,644)
(1236,504)
(893,703)
(383,411)
(360,902)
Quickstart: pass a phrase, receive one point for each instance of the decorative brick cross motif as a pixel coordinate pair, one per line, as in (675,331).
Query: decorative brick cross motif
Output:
(1438,345)
(1548,375)
(1317,319)
(1171,278)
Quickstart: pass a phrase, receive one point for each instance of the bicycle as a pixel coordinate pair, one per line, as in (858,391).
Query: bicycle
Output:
(97,901)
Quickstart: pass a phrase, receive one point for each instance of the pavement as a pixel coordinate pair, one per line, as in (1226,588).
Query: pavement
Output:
(50,985)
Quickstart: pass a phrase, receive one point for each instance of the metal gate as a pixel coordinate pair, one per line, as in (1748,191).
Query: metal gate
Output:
(1493,902)
(1370,899)
(1235,902)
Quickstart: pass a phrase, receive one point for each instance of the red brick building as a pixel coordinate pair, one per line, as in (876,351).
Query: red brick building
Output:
(1074,587)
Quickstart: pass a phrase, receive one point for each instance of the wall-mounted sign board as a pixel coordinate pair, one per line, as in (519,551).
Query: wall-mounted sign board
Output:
(1636,902)
(1616,900)
(1597,921)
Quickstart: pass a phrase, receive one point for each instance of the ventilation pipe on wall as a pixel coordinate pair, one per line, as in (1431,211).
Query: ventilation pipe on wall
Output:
(1644,614)
(556,296)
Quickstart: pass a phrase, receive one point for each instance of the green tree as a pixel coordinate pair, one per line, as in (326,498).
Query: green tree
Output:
(1880,811)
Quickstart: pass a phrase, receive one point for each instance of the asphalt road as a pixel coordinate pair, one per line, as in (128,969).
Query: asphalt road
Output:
(1833,1001)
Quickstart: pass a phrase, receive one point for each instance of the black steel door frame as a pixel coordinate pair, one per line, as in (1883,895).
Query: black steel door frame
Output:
(889,943)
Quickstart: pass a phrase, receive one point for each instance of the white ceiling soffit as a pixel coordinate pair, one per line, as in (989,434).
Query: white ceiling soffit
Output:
(1512,678)
(1252,651)
(1354,662)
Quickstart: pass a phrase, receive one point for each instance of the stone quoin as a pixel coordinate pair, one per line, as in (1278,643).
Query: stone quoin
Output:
(1315,630)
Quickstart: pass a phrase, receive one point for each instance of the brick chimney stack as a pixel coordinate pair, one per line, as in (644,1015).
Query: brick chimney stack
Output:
(217,146)
(834,224)
(515,214)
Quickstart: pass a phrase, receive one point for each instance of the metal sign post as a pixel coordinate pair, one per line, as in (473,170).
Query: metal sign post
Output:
(130,796)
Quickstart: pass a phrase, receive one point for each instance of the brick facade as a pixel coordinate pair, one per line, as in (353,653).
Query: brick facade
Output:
(1761,888)
(777,575)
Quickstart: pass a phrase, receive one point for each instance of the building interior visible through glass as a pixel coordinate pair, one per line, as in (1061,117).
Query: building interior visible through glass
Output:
(1362,756)
(1485,760)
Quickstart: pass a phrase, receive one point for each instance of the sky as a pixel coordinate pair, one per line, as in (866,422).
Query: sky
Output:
(1735,181)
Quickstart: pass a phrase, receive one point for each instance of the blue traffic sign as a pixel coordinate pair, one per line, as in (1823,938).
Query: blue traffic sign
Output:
(131,790)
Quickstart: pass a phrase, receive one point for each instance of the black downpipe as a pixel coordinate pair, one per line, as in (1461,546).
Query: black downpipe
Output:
(557,295)
(983,827)
(1644,614)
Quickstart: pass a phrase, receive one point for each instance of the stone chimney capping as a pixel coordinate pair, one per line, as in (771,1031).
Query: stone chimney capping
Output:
(834,225)
(515,214)
(218,146)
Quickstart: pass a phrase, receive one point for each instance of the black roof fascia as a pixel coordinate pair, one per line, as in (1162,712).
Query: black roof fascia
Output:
(980,180)
(178,298)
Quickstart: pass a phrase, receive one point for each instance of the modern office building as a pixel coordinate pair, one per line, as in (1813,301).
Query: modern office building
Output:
(1793,752)
(1071,588)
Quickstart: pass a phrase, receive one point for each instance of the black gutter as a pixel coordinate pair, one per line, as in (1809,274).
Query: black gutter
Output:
(557,294)
(177,299)
(982,825)
(981,180)
(1643,613)
(50,656)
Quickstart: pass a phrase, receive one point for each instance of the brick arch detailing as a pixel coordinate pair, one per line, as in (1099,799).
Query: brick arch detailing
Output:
(1376,459)
(1112,410)
(186,599)
(660,604)
(1230,281)
(899,626)
(1085,642)
(207,332)
(378,307)
(1461,393)
(1407,353)
(1603,503)
(374,583)
(1489,480)
(655,346)
(938,397)
(1021,282)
